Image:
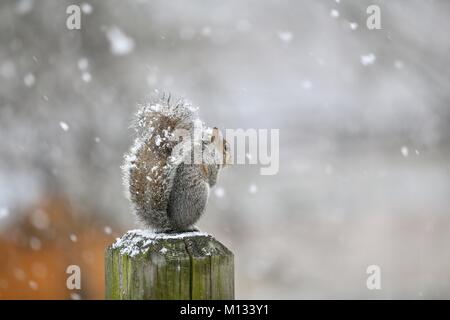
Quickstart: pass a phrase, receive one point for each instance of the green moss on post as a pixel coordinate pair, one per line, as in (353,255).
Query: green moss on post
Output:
(147,266)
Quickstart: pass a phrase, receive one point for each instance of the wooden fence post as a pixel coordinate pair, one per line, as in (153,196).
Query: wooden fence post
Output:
(148,266)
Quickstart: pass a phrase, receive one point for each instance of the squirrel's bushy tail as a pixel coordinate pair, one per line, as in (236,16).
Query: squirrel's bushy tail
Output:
(147,170)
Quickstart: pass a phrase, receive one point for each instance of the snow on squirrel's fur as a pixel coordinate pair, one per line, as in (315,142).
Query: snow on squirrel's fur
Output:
(157,125)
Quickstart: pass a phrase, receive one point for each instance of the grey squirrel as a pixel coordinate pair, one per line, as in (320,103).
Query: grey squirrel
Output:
(172,165)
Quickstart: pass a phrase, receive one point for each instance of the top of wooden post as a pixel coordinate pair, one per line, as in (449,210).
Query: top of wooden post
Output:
(188,265)
(137,242)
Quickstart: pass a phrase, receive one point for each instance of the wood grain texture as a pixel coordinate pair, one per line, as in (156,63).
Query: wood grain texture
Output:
(146,266)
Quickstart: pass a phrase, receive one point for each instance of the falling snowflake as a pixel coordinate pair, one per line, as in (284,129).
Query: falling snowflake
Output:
(120,43)
(35,244)
(353,25)
(107,229)
(405,151)
(24,6)
(19,274)
(368,59)
(334,13)
(40,220)
(398,64)
(206,31)
(4,212)
(306,84)
(253,188)
(64,126)
(33,285)
(75,296)
(86,8)
(219,192)
(83,63)
(285,36)
(29,80)
(86,76)
(73,238)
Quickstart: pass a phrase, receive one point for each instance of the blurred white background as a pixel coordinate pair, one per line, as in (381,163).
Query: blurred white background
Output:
(364,132)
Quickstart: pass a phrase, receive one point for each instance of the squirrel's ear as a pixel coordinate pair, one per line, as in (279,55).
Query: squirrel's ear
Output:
(215,134)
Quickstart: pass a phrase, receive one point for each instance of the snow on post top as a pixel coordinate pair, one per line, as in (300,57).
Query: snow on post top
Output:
(138,241)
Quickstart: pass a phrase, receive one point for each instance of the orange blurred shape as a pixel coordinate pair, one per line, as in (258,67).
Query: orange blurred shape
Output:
(37,248)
